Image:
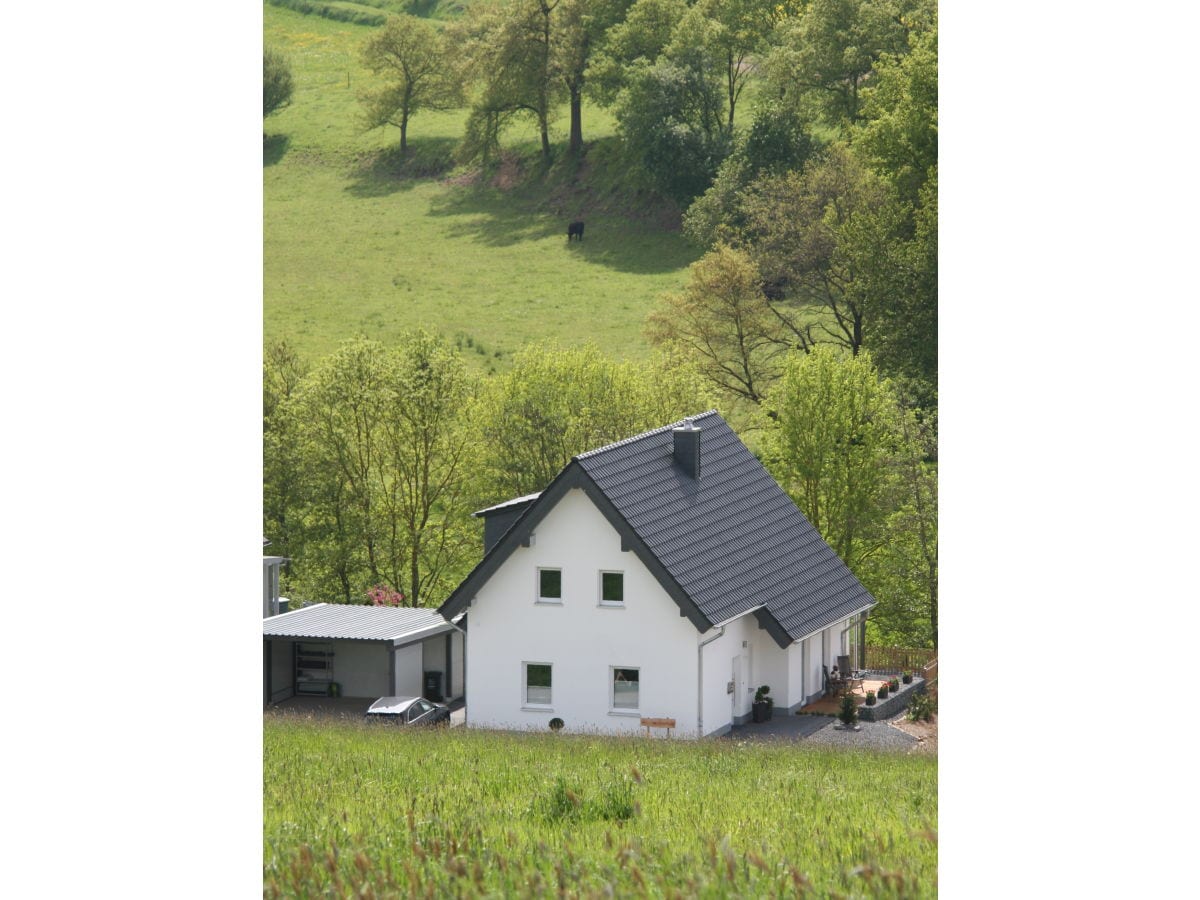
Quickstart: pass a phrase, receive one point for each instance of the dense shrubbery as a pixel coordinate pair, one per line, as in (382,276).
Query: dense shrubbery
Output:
(336,10)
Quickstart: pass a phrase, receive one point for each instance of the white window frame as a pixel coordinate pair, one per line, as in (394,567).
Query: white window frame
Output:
(525,702)
(613,709)
(537,587)
(611,604)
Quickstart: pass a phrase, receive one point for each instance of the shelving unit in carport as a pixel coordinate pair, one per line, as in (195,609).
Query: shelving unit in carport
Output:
(314,667)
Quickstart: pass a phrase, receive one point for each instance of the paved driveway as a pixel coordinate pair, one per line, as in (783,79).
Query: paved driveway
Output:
(825,731)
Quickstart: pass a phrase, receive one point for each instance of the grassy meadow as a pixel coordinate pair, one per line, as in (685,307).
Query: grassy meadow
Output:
(360,810)
(357,241)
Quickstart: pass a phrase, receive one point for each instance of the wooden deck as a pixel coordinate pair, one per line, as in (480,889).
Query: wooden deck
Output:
(829,706)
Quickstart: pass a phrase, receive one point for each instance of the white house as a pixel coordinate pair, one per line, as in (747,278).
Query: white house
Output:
(664,576)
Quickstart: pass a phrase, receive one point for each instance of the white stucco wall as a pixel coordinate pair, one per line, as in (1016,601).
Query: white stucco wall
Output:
(747,655)
(457,665)
(724,662)
(410,672)
(798,686)
(770,667)
(813,676)
(579,638)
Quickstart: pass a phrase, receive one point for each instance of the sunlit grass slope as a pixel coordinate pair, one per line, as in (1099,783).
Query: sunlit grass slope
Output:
(356,243)
(468,813)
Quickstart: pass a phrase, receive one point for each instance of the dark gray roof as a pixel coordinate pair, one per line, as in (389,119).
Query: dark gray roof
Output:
(721,545)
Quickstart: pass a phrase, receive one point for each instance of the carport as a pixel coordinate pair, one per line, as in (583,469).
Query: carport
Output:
(335,650)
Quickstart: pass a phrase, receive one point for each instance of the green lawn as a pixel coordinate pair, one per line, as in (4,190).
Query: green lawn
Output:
(471,813)
(352,247)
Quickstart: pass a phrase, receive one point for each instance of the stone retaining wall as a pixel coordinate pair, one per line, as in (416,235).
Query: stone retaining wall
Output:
(894,702)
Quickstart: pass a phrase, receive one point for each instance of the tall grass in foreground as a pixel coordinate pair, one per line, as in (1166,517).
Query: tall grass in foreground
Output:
(370,811)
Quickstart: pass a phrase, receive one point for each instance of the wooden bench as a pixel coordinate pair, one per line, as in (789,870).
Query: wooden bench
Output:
(658,723)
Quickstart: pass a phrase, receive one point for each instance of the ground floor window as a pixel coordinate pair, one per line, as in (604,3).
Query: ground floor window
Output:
(625,685)
(538,680)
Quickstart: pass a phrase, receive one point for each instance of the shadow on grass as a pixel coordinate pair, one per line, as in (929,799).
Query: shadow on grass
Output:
(274,147)
(497,219)
(387,172)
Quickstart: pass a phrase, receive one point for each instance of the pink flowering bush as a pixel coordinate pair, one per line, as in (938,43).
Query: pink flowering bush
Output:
(382,595)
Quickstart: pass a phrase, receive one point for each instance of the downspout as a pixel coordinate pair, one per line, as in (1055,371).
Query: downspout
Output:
(700,680)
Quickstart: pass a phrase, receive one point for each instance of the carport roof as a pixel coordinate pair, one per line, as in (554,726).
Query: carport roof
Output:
(335,621)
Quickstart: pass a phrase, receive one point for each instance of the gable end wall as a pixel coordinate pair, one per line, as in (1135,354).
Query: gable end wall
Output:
(580,638)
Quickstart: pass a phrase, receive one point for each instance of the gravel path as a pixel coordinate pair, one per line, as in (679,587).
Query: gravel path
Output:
(871,735)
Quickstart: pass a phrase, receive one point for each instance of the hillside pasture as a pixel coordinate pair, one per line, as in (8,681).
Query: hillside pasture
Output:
(358,241)
(359,810)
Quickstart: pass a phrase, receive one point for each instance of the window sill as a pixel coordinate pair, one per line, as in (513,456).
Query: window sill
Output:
(541,602)
(611,604)
(528,708)
(626,713)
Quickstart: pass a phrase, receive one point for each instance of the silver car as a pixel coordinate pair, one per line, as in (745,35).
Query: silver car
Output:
(408,711)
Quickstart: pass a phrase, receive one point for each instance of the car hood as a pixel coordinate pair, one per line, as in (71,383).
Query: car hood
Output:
(391,706)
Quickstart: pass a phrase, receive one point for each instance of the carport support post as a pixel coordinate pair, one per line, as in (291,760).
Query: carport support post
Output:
(392,670)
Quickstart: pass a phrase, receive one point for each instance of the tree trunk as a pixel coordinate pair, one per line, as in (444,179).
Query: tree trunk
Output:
(415,572)
(404,133)
(731,80)
(575,146)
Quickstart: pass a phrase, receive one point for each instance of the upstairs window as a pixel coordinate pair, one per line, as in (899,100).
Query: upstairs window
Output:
(538,678)
(612,588)
(550,585)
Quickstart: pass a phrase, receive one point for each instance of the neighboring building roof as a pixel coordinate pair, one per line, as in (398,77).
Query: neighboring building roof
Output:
(335,621)
(517,501)
(726,544)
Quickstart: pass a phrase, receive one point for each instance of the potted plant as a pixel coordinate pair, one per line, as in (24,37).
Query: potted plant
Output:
(763,705)
(883,690)
(870,698)
(849,712)
(894,684)
(906,677)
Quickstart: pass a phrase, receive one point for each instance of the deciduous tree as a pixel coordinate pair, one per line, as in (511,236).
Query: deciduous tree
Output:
(507,53)
(794,227)
(383,470)
(556,402)
(277,81)
(722,321)
(410,55)
(283,373)
(829,51)
(831,441)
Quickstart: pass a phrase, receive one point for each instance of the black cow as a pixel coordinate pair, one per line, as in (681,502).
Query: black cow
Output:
(575,229)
